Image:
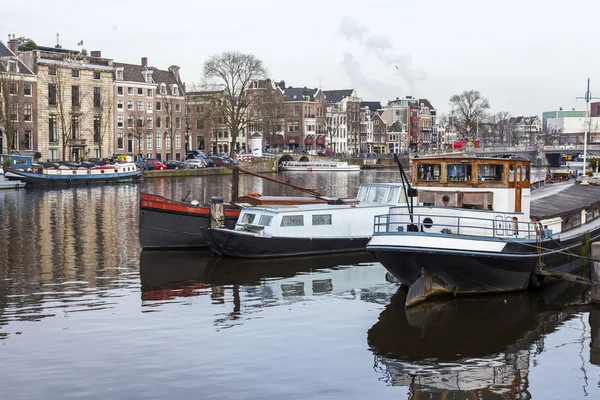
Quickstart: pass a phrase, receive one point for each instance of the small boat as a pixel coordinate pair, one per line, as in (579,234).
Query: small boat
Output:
(77,175)
(477,229)
(317,166)
(277,231)
(6,184)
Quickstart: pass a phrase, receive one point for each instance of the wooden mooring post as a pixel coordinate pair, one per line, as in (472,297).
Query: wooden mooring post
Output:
(595,273)
(217,216)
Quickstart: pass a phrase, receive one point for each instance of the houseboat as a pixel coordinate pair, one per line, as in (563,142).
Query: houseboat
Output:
(317,166)
(476,229)
(295,230)
(74,175)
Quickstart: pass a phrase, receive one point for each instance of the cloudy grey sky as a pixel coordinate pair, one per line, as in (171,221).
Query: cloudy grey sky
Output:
(525,56)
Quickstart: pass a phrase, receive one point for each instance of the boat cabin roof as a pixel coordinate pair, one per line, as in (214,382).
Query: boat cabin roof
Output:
(283,209)
(477,172)
(572,198)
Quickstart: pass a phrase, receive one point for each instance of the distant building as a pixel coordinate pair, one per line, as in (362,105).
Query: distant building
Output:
(305,118)
(343,120)
(18,102)
(595,109)
(559,114)
(415,116)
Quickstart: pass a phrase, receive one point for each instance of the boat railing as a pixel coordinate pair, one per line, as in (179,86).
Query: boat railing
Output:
(502,225)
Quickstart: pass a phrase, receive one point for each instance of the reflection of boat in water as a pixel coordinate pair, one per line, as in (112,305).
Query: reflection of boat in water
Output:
(469,347)
(178,274)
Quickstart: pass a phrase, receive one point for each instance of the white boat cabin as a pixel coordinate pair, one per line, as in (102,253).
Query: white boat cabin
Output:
(341,218)
(318,166)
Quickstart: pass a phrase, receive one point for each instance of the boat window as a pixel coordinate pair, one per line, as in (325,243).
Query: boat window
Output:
(596,212)
(322,219)
(248,218)
(576,220)
(459,172)
(394,195)
(429,172)
(362,193)
(526,173)
(511,173)
(490,172)
(265,220)
(292,220)
(518,176)
(567,223)
(378,194)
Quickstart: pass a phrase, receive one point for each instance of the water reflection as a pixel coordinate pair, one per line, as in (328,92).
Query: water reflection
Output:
(470,347)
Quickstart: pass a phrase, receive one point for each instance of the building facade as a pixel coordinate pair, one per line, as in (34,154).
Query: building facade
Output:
(75,102)
(18,102)
(305,119)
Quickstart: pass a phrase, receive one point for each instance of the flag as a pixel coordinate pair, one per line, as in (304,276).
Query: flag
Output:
(80,43)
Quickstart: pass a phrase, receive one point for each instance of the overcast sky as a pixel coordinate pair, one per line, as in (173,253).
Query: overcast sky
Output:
(524,56)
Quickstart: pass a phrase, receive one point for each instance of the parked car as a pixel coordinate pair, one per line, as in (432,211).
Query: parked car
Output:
(175,164)
(227,160)
(195,163)
(154,163)
(194,154)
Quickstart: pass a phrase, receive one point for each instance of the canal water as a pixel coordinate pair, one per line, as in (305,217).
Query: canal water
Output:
(85,314)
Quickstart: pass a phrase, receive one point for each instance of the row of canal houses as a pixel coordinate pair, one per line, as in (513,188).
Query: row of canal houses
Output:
(66,104)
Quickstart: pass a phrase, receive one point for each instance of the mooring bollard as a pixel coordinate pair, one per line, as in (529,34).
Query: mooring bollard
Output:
(217,218)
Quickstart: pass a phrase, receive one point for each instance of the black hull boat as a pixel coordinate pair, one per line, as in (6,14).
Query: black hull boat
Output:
(233,243)
(484,233)
(73,175)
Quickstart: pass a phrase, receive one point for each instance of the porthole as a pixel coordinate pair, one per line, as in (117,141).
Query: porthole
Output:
(427,223)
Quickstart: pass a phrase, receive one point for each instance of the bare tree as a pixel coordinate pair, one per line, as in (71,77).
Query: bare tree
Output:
(138,127)
(102,104)
(469,107)
(232,73)
(10,82)
(173,111)
(268,105)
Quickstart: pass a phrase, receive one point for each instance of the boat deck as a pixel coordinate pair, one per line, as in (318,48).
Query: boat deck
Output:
(563,199)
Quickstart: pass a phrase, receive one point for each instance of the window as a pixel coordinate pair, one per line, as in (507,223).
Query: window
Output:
(149,106)
(120,90)
(567,223)
(13,88)
(75,73)
(459,172)
(490,173)
(14,112)
(168,122)
(158,106)
(296,126)
(52,133)
(27,89)
(292,220)
(96,75)
(130,104)
(140,106)
(120,78)
(130,90)
(265,220)
(296,111)
(167,142)
(149,93)
(97,97)
(28,112)
(140,122)
(140,92)
(120,105)
(248,218)
(576,220)
(177,141)
(120,141)
(163,88)
(74,127)
(177,122)
(119,121)
(168,106)
(429,172)
(323,219)
(96,129)
(27,140)
(12,66)
(149,122)
(158,122)
(75,96)
(177,107)
(158,141)
(130,121)
(52,71)
(53,154)
(175,90)
(149,142)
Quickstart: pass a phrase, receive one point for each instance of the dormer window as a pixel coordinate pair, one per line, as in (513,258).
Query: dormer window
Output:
(119,75)
(12,66)
(175,90)
(163,88)
(148,76)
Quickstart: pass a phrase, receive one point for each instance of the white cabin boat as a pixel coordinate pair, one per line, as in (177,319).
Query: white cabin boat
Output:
(318,166)
(6,184)
(294,230)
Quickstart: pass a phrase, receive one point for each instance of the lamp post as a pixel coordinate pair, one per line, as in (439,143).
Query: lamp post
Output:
(187,134)
(587,97)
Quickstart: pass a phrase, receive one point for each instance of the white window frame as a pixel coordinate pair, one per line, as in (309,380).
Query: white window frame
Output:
(149,106)
(178,141)
(158,141)
(149,142)
(25,85)
(120,121)
(121,104)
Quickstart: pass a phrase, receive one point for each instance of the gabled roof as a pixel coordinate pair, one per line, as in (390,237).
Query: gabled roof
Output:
(6,54)
(300,94)
(135,73)
(335,96)
(372,105)
(425,103)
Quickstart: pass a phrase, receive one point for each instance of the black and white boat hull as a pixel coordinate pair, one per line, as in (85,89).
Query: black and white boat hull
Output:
(234,243)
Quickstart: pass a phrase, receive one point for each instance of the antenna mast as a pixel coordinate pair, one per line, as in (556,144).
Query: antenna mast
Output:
(587,98)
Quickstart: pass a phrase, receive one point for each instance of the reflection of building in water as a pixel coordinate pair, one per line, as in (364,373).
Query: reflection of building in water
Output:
(468,348)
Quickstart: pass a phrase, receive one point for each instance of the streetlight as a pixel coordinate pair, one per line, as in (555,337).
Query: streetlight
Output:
(588,97)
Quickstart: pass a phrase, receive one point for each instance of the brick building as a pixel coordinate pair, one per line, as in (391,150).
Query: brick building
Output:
(18,102)
(305,118)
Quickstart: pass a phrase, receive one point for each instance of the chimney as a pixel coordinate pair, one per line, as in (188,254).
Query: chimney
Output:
(174,69)
(13,44)
(145,62)
(96,54)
